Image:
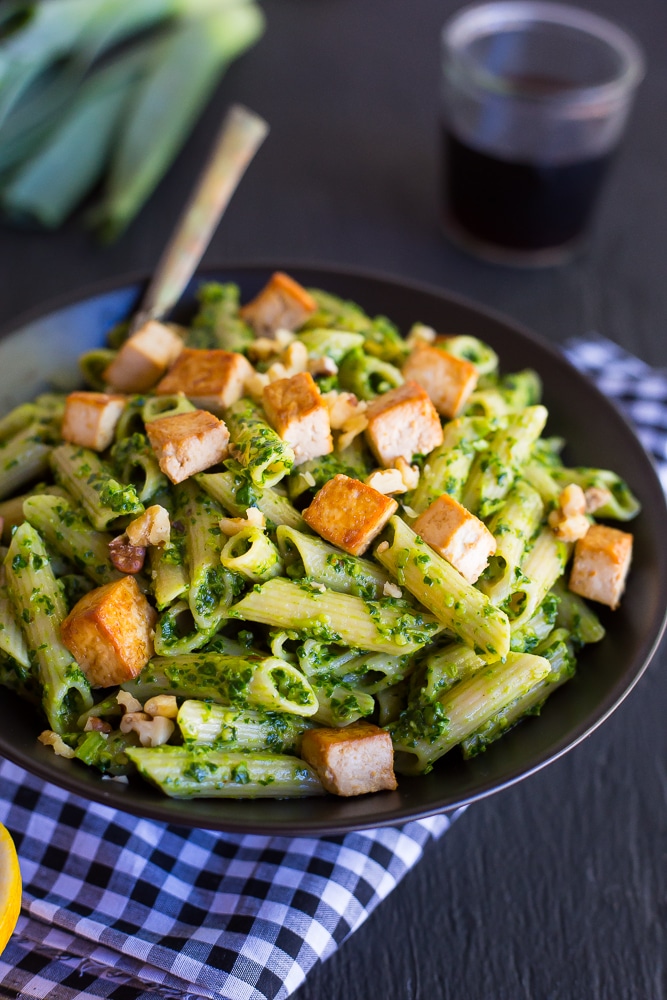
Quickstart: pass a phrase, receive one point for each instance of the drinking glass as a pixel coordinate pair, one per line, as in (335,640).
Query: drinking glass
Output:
(535,99)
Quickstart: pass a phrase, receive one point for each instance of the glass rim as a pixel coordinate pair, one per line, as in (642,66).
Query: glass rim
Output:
(479,19)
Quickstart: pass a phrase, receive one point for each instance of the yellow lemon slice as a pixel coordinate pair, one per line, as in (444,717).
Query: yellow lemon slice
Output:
(10,887)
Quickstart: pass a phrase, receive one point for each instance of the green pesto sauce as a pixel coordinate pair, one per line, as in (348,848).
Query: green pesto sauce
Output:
(290,688)
(426,723)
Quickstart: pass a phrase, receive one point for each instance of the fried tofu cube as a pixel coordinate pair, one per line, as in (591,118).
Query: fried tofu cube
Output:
(283,304)
(601,563)
(110,632)
(212,380)
(351,761)
(448,380)
(457,535)
(144,358)
(349,514)
(296,410)
(90,419)
(402,423)
(187,443)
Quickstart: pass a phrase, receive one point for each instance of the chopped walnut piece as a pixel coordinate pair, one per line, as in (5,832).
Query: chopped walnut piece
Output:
(409,473)
(96,725)
(391,589)
(163,705)
(156,732)
(254,385)
(596,497)
(568,529)
(150,528)
(51,739)
(276,372)
(264,348)
(420,334)
(295,358)
(232,525)
(322,366)
(568,521)
(127,558)
(342,406)
(151,732)
(399,479)
(284,337)
(128,702)
(128,722)
(351,428)
(387,481)
(572,500)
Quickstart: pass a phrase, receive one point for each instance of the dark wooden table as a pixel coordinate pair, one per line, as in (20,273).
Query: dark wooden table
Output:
(556,888)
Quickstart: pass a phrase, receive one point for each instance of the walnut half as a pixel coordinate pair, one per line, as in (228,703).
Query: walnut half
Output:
(126,558)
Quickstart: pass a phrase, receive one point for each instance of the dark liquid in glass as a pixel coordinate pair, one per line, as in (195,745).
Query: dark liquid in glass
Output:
(518,206)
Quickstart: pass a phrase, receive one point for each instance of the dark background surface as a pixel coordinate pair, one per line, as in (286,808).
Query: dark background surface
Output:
(556,888)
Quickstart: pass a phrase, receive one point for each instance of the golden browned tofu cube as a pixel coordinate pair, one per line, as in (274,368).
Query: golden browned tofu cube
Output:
(144,358)
(448,380)
(283,304)
(457,535)
(601,563)
(295,409)
(351,761)
(186,443)
(349,514)
(212,380)
(109,632)
(402,423)
(90,419)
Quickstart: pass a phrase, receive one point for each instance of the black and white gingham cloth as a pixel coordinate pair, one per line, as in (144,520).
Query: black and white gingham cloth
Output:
(129,909)
(639,390)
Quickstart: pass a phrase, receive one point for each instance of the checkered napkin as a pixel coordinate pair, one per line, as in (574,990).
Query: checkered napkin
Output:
(639,390)
(128,909)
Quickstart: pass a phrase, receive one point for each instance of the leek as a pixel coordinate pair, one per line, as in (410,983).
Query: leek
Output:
(51,184)
(186,67)
(69,119)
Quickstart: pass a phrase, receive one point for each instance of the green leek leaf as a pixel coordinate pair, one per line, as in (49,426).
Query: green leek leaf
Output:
(52,31)
(50,185)
(186,67)
(58,80)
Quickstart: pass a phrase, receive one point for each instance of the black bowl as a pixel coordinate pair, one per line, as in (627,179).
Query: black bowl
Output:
(43,353)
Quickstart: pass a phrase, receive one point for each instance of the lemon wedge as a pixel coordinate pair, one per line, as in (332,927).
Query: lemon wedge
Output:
(10,887)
